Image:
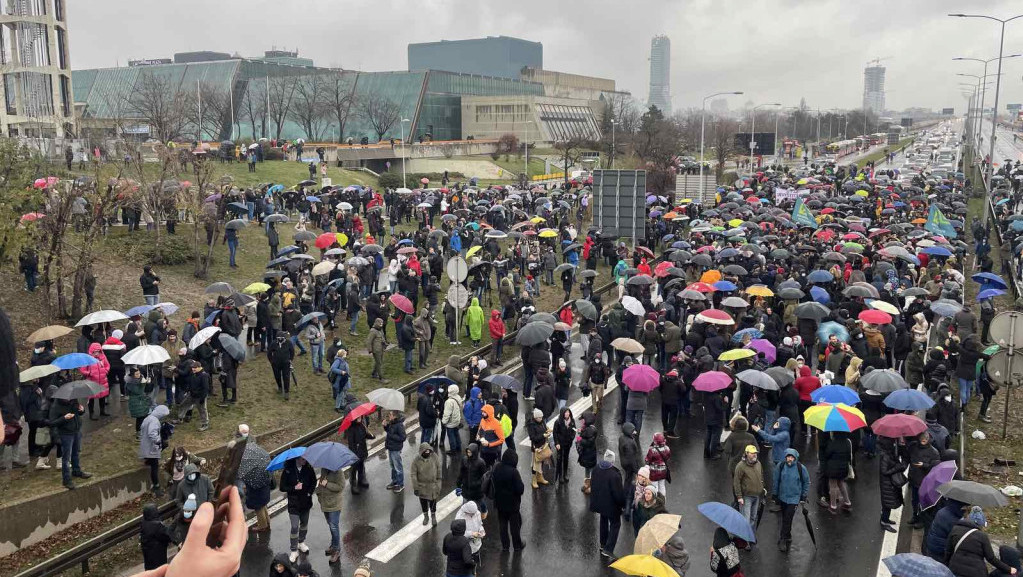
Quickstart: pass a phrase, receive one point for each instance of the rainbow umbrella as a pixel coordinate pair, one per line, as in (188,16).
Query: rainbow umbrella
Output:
(840,417)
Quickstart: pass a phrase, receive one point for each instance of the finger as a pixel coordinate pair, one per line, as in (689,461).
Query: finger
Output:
(158,572)
(200,528)
(219,528)
(237,531)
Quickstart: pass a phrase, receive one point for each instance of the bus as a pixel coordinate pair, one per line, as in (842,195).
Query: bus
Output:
(842,148)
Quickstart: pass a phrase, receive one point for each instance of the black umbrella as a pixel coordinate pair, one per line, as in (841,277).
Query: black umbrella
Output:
(306,183)
(304,236)
(812,310)
(534,334)
(563,267)
(219,288)
(543,318)
(588,273)
(78,390)
(236,224)
(252,470)
(809,525)
(571,247)
(586,309)
(640,280)
(232,346)
(238,207)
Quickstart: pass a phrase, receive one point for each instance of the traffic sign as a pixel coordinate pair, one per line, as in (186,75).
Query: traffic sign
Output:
(1003,371)
(457,269)
(458,296)
(1007,329)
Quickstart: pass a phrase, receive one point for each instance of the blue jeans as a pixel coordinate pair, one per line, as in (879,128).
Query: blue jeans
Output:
(232,247)
(70,449)
(333,519)
(454,440)
(30,281)
(151,300)
(316,352)
(168,386)
(397,471)
(426,435)
(252,209)
(297,343)
(408,360)
(965,391)
(355,319)
(749,508)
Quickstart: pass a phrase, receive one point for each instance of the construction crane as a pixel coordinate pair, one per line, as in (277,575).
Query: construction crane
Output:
(877,61)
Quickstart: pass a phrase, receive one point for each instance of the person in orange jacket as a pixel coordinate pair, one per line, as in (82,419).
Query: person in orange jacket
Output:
(490,436)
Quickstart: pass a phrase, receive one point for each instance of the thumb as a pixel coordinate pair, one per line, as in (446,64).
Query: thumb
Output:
(200,528)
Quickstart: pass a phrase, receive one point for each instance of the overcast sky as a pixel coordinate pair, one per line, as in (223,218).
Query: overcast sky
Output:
(774,50)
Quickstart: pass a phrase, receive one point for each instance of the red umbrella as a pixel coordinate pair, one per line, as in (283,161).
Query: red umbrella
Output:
(641,378)
(712,381)
(700,287)
(716,317)
(402,303)
(898,425)
(645,251)
(662,269)
(325,240)
(32,216)
(356,413)
(875,317)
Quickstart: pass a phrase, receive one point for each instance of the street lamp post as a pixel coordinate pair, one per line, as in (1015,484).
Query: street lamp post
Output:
(994,116)
(614,149)
(404,151)
(983,90)
(703,129)
(753,131)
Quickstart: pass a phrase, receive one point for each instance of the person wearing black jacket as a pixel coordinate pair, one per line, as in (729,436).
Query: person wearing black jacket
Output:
(281,353)
(150,285)
(564,434)
(394,442)
(922,458)
(154,537)
(470,477)
(543,395)
(631,459)
(458,552)
(714,420)
(298,481)
(508,489)
(671,389)
(607,499)
(262,322)
(65,419)
(427,415)
(356,437)
(230,323)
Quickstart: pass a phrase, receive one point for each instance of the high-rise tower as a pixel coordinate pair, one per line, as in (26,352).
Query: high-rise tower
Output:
(660,74)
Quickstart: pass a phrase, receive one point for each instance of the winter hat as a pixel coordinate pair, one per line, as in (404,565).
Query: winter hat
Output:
(482,364)
(977,517)
(787,341)
(537,414)
(644,471)
(452,390)
(672,373)
(117,334)
(609,456)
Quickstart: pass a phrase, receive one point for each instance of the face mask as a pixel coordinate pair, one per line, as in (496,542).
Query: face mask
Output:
(193,477)
(948,398)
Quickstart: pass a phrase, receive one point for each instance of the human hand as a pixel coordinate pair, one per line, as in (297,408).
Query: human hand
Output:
(741,501)
(558,447)
(298,486)
(196,559)
(69,416)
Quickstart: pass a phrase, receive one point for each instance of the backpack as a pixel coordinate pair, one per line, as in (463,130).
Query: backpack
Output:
(488,482)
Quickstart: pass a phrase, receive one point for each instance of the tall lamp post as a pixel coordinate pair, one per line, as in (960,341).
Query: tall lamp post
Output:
(614,149)
(983,90)
(703,129)
(753,130)
(994,111)
(404,150)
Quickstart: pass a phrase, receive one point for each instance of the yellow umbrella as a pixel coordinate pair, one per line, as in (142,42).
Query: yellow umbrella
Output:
(736,354)
(537,220)
(862,193)
(685,201)
(735,222)
(884,306)
(473,250)
(342,238)
(759,290)
(548,234)
(656,532)
(644,565)
(256,288)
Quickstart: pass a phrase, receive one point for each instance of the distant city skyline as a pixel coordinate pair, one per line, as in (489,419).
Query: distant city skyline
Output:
(660,74)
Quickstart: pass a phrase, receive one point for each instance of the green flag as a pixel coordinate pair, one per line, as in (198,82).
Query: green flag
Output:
(802,216)
(938,223)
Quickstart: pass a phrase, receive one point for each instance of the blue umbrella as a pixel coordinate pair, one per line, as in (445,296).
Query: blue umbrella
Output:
(945,308)
(725,286)
(915,565)
(834,394)
(74,361)
(728,519)
(1016,225)
(407,241)
(313,198)
(832,328)
(330,455)
(937,251)
(278,461)
(982,295)
(727,253)
(438,383)
(276,188)
(908,400)
(990,278)
(820,295)
(209,320)
(753,333)
(139,310)
(820,276)
(287,250)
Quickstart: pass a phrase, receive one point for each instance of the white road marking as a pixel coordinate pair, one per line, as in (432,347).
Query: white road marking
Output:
(411,532)
(890,541)
(580,405)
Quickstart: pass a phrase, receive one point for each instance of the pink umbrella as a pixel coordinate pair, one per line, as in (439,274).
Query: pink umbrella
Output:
(712,381)
(898,425)
(402,303)
(641,378)
(764,346)
(39,183)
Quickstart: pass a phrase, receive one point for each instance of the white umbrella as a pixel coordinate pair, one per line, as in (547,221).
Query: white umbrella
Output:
(389,399)
(37,372)
(324,267)
(147,355)
(344,206)
(168,308)
(100,317)
(202,336)
(633,305)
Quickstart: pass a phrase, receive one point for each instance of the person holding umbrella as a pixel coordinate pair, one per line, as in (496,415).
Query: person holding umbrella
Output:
(299,482)
(356,437)
(328,491)
(791,489)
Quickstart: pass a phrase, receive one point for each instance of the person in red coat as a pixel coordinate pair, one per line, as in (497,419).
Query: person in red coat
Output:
(657,457)
(644,268)
(806,384)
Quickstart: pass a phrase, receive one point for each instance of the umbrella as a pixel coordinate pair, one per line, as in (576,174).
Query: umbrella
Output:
(641,378)
(256,288)
(640,280)
(835,394)
(820,276)
(101,317)
(323,268)
(712,381)
(812,310)
(809,526)
(325,240)
(725,286)
(284,218)
(588,273)
(908,400)
(235,224)
(753,333)
(232,346)
(278,462)
(819,295)
(238,207)
(219,288)
(656,532)
(829,328)
(898,425)
(875,317)
(840,417)
(781,375)
(990,278)
(915,565)
(74,361)
(939,474)
(306,319)
(504,381)
(790,293)
(146,355)
(544,318)
(989,293)
(389,399)
(883,381)
(627,345)
(202,336)
(356,413)
(633,305)
(563,267)
(37,372)
(736,354)
(78,390)
(972,493)
(329,455)
(438,383)
(586,309)
(758,290)
(734,302)
(534,334)
(402,303)
(883,306)
(946,308)
(764,346)
(728,519)
(48,333)
(167,308)
(758,379)
(715,317)
(135,312)
(644,566)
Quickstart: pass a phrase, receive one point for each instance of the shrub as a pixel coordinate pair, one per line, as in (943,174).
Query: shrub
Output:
(390,180)
(273,153)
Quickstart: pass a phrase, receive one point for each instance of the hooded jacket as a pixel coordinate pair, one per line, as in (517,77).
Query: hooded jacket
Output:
(675,554)
(974,549)
(426,473)
(473,408)
(282,560)
(791,482)
(474,319)
(458,551)
(453,370)
(201,487)
(299,499)
(508,486)
(490,429)
(496,326)
(806,383)
(779,437)
(452,416)
(628,450)
(150,443)
(154,537)
(97,372)
(944,520)
(470,477)
(587,444)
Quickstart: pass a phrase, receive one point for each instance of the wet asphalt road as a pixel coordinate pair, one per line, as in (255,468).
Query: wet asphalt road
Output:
(561,534)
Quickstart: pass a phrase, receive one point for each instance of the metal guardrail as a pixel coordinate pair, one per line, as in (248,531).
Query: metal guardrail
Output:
(82,553)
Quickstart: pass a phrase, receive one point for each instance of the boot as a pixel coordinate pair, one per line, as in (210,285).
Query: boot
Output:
(586,486)
(533,484)
(41,464)
(540,479)
(433,518)
(426,519)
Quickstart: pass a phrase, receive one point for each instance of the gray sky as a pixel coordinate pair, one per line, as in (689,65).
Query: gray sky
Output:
(773,50)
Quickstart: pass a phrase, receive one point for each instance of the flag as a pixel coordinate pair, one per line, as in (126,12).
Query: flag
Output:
(802,216)
(938,223)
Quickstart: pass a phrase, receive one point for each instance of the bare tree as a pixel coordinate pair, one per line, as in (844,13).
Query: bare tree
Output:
(17,166)
(160,105)
(209,111)
(282,95)
(339,92)
(569,150)
(722,139)
(618,124)
(253,108)
(309,107)
(380,112)
(157,186)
